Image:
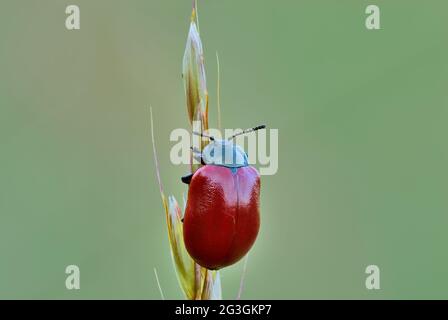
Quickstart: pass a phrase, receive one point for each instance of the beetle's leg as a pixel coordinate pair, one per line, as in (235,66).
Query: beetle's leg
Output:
(198,158)
(187,178)
(195,150)
(197,155)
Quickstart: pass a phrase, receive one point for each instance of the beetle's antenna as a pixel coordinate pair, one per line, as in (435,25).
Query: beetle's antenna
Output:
(248,131)
(204,135)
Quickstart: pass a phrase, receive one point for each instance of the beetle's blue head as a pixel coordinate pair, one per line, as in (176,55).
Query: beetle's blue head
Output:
(224,153)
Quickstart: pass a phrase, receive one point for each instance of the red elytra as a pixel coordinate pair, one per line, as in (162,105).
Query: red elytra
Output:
(222,217)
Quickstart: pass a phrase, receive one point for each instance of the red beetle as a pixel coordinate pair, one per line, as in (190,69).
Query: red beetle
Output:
(222,217)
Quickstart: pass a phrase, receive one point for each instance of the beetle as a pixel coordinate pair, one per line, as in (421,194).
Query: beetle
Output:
(222,215)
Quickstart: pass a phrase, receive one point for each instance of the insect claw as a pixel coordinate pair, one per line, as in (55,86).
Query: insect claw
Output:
(195,150)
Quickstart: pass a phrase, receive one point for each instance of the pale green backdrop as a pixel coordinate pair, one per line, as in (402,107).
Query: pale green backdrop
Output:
(361,114)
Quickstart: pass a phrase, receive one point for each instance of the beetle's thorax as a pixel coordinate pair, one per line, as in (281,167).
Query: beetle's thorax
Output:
(224,153)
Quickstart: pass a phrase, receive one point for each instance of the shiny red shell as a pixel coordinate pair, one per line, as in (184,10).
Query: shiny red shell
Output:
(222,217)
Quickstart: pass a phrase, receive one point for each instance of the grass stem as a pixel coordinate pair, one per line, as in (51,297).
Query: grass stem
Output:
(158,284)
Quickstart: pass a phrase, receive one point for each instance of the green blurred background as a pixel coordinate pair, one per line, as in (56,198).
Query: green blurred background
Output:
(361,115)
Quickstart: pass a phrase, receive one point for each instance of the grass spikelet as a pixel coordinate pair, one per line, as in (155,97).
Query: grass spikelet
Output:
(196,282)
